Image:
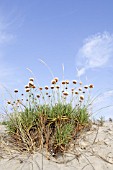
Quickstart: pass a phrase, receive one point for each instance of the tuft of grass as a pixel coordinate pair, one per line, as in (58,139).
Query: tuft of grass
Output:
(101,121)
(48,117)
(110,120)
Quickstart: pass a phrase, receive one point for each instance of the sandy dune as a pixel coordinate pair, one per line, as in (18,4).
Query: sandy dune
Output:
(92,151)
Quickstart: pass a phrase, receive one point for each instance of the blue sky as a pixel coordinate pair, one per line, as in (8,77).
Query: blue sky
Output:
(76,33)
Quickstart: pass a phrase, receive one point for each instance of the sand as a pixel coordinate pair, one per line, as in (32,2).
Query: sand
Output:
(92,151)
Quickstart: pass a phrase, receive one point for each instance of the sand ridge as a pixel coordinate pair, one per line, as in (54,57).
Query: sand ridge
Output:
(93,150)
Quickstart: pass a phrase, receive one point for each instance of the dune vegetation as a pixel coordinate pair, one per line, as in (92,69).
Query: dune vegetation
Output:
(49,117)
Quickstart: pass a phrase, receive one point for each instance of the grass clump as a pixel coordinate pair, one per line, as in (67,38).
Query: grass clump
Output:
(48,117)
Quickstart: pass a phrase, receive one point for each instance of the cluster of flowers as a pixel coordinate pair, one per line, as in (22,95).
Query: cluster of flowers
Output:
(61,89)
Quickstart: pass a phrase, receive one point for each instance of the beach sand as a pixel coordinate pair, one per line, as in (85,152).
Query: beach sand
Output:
(93,150)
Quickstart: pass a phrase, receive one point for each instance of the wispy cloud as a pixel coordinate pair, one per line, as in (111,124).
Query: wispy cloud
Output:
(5,36)
(81,71)
(96,52)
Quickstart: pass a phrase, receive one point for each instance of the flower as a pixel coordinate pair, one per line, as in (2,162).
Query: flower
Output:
(63,82)
(91,86)
(46,87)
(57,87)
(81,97)
(34,87)
(74,82)
(26,86)
(53,81)
(80,83)
(40,88)
(56,79)
(52,87)
(8,102)
(67,81)
(28,89)
(38,96)
(31,79)
(65,93)
(80,89)
(86,87)
(31,84)
(76,92)
(16,90)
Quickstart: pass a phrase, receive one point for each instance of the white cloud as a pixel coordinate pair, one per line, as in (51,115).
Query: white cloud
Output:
(80,71)
(96,52)
(6,25)
(6,69)
(4,37)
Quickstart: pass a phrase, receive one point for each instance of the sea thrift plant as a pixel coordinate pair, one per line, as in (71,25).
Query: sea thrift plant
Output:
(48,117)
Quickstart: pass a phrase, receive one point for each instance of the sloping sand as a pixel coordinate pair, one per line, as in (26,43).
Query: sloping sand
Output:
(92,151)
